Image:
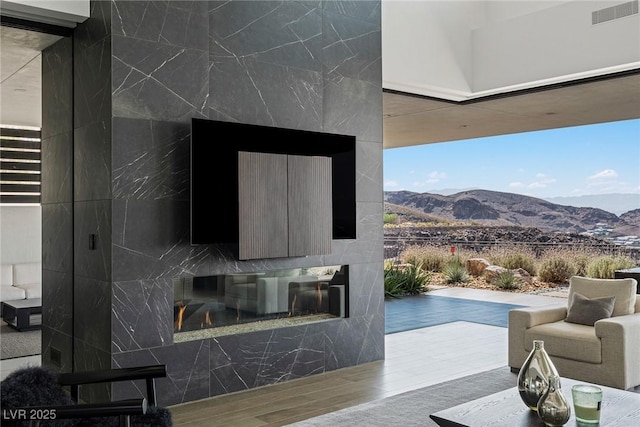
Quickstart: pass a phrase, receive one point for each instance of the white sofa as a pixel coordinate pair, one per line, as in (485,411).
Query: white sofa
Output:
(261,293)
(20,281)
(607,353)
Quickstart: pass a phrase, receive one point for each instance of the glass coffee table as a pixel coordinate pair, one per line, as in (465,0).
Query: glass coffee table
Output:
(620,408)
(23,314)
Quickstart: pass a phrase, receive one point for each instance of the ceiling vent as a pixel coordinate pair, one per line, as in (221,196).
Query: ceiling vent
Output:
(614,12)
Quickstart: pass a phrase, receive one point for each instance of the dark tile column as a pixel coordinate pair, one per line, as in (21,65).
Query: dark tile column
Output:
(57,206)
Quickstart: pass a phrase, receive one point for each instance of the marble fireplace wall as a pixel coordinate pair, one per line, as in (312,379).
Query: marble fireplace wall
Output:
(143,70)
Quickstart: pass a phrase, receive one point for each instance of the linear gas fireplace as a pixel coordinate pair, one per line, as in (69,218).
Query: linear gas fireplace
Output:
(232,303)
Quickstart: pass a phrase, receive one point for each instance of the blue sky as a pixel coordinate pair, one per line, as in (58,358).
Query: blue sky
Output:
(593,159)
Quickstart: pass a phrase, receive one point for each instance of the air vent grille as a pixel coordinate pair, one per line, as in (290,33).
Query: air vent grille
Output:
(614,12)
(19,165)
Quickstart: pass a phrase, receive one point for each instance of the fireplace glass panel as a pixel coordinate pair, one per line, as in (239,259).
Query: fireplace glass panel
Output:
(227,300)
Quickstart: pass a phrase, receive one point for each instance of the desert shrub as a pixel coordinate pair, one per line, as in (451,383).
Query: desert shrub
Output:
(455,260)
(429,257)
(455,272)
(604,267)
(404,280)
(390,218)
(581,263)
(520,260)
(556,269)
(506,280)
(579,258)
(499,255)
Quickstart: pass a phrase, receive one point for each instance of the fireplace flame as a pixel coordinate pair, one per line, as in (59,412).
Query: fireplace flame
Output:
(207,320)
(293,305)
(318,297)
(181,310)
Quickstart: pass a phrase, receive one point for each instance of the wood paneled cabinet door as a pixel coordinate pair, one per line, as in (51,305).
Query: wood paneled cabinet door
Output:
(285,205)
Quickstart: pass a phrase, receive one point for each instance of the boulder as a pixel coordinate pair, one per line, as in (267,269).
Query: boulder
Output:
(476,266)
(492,271)
(523,275)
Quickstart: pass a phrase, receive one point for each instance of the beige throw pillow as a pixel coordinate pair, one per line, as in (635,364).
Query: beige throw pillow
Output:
(623,289)
(587,311)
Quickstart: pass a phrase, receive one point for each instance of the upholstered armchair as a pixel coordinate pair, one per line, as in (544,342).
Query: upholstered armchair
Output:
(593,337)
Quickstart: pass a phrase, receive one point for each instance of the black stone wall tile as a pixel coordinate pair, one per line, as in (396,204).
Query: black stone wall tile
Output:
(59,54)
(370,232)
(158,81)
(352,48)
(57,89)
(369,172)
(61,342)
(288,34)
(89,358)
(92,162)
(358,340)
(180,23)
(364,10)
(368,247)
(95,29)
(57,319)
(57,301)
(92,218)
(92,83)
(151,240)
(353,107)
(56,168)
(291,353)
(366,293)
(311,352)
(187,372)
(92,313)
(141,315)
(150,159)
(57,238)
(236,361)
(245,361)
(266,94)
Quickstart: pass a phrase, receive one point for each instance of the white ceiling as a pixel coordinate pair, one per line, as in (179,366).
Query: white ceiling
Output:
(408,120)
(20,72)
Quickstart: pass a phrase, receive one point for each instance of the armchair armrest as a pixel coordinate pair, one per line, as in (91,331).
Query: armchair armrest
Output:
(521,319)
(147,373)
(620,336)
(626,327)
(532,316)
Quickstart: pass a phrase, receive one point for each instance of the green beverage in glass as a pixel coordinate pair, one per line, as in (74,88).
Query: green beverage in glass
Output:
(587,400)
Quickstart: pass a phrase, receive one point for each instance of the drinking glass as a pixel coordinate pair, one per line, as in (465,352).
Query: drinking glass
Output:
(587,400)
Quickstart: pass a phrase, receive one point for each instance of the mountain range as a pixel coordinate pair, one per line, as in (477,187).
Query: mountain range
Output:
(617,203)
(507,209)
